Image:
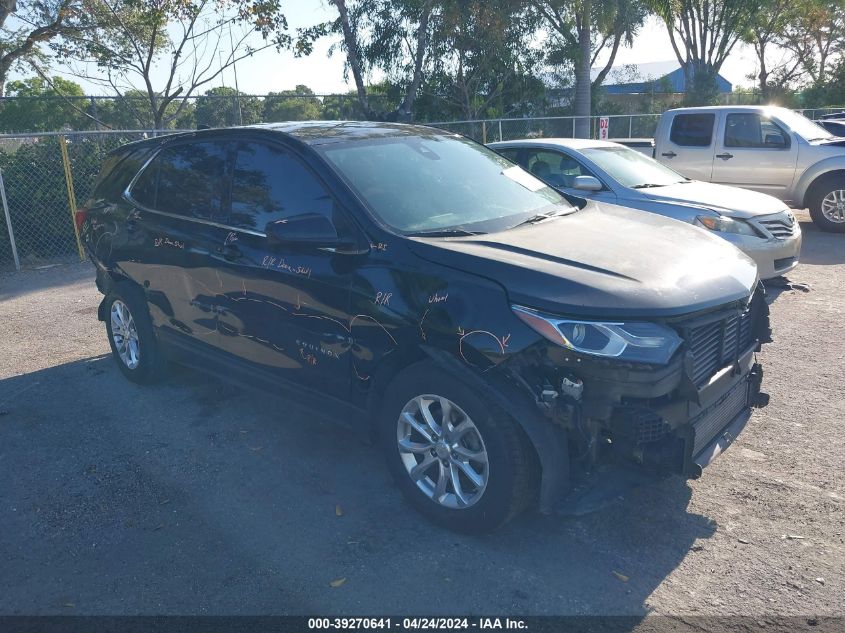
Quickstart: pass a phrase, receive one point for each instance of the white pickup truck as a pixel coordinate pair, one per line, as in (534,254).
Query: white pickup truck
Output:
(768,149)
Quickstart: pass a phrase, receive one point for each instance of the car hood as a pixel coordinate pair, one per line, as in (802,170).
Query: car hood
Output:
(732,201)
(603,261)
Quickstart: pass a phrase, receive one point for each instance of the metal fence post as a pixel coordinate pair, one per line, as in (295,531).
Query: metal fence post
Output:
(9,222)
(71,196)
(484,132)
(500,131)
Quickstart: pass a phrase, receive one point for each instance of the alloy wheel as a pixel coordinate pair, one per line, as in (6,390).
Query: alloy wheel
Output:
(833,206)
(125,334)
(442,451)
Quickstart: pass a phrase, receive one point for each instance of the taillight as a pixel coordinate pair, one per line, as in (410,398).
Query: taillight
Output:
(81,214)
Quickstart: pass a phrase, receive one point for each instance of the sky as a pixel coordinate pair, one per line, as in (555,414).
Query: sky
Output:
(272,71)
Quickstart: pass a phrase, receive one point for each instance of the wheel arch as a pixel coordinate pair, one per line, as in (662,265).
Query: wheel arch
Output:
(548,442)
(817,178)
(108,282)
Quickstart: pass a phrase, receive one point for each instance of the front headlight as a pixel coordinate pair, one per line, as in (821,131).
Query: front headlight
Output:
(641,342)
(724,224)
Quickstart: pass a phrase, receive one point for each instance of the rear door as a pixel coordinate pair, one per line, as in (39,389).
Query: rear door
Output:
(689,146)
(754,152)
(180,201)
(285,308)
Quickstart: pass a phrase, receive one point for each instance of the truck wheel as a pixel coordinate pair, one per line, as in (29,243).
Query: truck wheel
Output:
(458,460)
(827,203)
(130,330)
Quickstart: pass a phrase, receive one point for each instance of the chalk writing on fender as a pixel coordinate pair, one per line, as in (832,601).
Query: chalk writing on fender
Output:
(317,349)
(166,241)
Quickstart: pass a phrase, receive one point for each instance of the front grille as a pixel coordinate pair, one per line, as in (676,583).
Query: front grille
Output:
(781,225)
(717,344)
(716,417)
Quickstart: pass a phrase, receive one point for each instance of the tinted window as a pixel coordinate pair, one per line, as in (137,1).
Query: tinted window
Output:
(269,184)
(555,168)
(692,130)
(752,130)
(117,172)
(187,179)
(436,182)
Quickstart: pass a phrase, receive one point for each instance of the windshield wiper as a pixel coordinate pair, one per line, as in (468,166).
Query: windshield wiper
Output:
(540,217)
(443,233)
(649,185)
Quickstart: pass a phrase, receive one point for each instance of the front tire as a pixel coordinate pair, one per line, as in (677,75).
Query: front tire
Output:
(131,337)
(826,201)
(459,461)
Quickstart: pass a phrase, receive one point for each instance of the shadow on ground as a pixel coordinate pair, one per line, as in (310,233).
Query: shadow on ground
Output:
(197,497)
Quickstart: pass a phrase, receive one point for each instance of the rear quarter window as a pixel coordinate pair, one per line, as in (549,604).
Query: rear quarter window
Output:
(692,130)
(117,171)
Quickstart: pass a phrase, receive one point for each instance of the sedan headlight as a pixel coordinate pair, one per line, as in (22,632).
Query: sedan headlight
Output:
(724,224)
(635,341)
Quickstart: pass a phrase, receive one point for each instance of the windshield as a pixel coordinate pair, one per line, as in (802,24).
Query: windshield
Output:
(801,125)
(630,168)
(417,184)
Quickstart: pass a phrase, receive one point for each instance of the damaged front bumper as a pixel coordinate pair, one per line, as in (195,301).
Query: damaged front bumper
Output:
(659,420)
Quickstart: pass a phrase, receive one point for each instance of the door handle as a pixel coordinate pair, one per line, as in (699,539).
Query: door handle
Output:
(230,252)
(725,156)
(669,154)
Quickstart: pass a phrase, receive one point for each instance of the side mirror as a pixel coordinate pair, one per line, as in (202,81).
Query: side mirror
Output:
(305,229)
(587,183)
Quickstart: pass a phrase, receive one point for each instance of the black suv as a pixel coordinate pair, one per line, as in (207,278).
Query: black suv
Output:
(505,343)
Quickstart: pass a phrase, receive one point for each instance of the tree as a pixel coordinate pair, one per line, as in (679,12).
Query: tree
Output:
(26,24)
(764,32)
(391,35)
(815,36)
(128,43)
(292,105)
(43,107)
(703,33)
(482,60)
(582,30)
(225,107)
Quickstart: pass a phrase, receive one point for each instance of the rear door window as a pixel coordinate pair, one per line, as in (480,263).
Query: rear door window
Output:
(692,130)
(269,184)
(189,180)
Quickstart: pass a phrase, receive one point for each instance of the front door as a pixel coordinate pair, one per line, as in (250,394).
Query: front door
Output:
(754,152)
(559,169)
(283,308)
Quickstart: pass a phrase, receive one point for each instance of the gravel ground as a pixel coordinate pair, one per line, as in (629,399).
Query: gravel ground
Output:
(194,497)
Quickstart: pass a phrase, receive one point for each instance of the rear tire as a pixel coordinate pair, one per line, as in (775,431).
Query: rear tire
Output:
(479,446)
(131,337)
(826,201)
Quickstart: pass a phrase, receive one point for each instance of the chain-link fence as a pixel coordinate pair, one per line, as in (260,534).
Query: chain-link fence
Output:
(490,130)
(41,178)
(43,175)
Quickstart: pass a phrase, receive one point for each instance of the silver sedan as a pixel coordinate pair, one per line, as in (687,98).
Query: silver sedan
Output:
(761,226)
